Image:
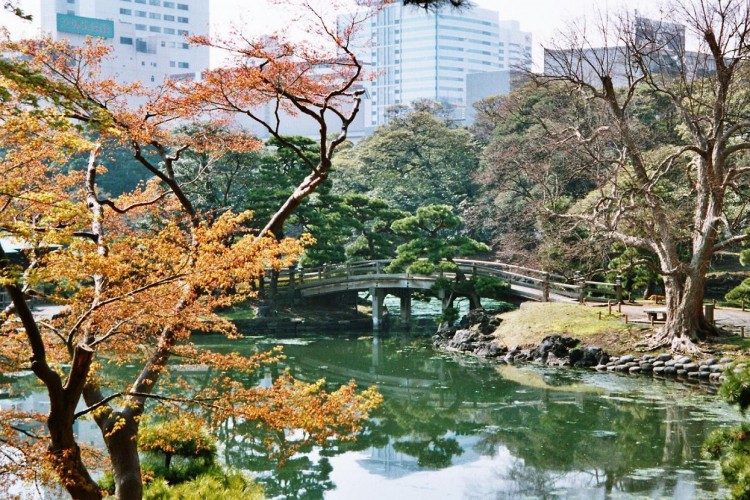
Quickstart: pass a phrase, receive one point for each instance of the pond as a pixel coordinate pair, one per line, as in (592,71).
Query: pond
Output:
(456,427)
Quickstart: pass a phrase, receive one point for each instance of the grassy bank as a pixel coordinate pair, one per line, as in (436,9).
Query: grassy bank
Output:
(535,320)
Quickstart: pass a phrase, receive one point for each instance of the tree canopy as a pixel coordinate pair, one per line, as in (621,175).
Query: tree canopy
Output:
(656,136)
(417,159)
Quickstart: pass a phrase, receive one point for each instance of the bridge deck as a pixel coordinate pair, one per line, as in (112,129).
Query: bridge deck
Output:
(525,282)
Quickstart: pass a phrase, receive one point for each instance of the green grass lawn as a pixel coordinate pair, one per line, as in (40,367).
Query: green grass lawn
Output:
(535,320)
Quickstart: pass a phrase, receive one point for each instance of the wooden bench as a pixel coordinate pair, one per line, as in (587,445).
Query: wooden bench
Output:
(653,314)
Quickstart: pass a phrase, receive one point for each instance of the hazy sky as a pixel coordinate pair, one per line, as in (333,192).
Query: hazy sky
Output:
(543,18)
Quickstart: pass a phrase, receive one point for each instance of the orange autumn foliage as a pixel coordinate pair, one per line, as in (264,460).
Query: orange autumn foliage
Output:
(135,275)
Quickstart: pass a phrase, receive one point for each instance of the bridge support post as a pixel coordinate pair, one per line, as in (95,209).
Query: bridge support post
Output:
(405,308)
(377,296)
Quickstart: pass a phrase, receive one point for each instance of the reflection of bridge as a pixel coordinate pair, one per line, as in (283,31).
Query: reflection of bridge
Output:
(371,276)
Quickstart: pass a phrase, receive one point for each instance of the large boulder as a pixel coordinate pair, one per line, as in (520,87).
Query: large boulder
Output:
(478,319)
(558,345)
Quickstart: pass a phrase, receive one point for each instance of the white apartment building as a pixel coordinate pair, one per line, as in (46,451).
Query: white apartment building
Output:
(515,47)
(148,37)
(417,54)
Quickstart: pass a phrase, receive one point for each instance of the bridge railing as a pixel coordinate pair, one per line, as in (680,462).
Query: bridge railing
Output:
(548,284)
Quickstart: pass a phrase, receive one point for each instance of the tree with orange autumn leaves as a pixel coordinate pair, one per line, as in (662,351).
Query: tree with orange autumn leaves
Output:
(136,275)
(318,80)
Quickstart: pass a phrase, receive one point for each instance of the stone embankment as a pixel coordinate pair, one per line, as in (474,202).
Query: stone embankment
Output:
(667,365)
(474,336)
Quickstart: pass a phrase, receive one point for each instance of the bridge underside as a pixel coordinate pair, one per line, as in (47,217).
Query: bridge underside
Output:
(378,288)
(400,286)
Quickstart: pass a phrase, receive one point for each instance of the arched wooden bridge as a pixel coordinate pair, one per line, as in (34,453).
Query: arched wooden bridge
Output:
(371,276)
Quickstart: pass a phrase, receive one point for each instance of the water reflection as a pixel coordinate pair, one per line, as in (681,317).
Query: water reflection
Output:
(455,427)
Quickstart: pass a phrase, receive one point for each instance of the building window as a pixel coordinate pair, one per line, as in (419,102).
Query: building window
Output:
(71,1)
(140,27)
(155,2)
(168,17)
(182,6)
(154,29)
(140,13)
(154,15)
(125,40)
(71,12)
(126,12)
(185,46)
(169,5)
(183,32)
(169,31)
(183,65)
(125,1)
(183,20)
(172,64)
(140,1)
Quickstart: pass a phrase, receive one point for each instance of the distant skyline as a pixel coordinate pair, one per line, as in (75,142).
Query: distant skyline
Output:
(543,18)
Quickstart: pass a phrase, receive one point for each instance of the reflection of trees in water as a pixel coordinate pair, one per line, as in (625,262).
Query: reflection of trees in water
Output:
(528,482)
(297,477)
(677,447)
(551,434)
(610,440)
(435,452)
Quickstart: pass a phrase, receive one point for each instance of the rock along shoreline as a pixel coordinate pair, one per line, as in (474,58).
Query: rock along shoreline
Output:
(474,336)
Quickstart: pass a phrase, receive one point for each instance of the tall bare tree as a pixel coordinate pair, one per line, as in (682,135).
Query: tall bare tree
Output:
(647,189)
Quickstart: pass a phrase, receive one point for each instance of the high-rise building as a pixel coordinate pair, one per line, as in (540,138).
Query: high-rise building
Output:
(662,47)
(417,54)
(148,37)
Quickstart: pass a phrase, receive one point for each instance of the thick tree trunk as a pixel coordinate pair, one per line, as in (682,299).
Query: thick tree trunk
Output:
(475,301)
(122,446)
(65,455)
(120,432)
(63,450)
(685,322)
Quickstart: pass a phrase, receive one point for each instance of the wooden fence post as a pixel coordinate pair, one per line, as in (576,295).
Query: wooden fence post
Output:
(581,288)
(545,288)
(618,288)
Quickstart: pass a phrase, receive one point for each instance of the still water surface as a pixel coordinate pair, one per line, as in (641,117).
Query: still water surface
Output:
(455,427)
